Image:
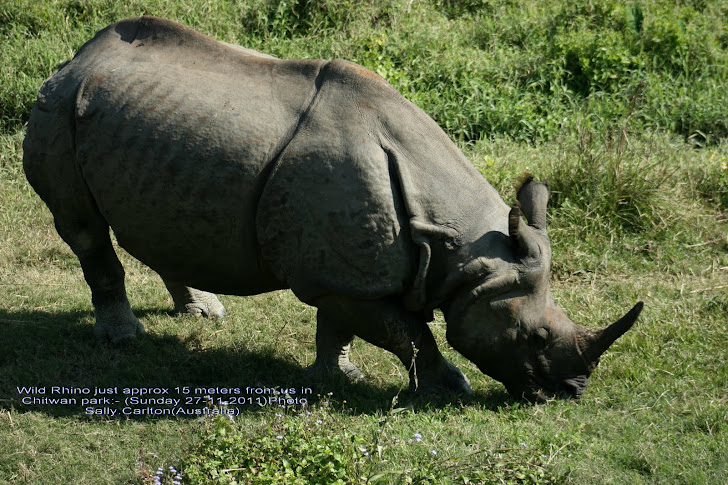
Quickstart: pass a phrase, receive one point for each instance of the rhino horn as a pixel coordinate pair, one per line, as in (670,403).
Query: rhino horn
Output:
(532,198)
(603,339)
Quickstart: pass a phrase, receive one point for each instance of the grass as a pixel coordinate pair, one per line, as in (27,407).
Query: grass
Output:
(620,105)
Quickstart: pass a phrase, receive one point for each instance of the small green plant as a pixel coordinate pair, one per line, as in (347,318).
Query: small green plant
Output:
(634,17)
(291,18)
(297,448)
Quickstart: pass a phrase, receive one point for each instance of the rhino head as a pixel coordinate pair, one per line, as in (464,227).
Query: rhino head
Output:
(505,320)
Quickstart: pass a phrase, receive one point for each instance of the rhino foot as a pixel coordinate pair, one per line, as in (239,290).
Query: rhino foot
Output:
(194,302)
(117,323)
(209,310)
(324,372)
(444,378)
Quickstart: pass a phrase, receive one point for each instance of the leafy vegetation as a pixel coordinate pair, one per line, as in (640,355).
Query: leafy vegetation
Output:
(316,447)
(525,69)
(621,105)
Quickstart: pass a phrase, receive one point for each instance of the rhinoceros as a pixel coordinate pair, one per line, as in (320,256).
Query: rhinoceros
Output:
(229,171)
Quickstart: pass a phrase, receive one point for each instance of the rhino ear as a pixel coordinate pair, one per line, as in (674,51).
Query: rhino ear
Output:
(524,241)
(533,198)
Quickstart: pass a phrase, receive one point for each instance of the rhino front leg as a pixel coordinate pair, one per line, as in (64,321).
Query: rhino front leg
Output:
(195,302)
(333,344)
(386,324)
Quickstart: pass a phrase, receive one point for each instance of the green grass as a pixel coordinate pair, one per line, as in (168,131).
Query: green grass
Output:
(620,105)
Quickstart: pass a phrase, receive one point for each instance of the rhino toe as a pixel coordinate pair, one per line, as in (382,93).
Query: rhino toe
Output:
(119,333)
(198,309)
(195,302)
(125,338)
(117,323)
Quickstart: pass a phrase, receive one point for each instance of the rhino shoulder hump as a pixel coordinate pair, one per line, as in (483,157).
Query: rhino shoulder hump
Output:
(349,72)
(155,29)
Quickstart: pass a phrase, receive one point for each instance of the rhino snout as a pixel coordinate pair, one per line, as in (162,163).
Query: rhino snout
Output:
(571,388)
(574,388)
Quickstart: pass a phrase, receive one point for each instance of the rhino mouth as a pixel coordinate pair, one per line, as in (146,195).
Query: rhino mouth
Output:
(538,392)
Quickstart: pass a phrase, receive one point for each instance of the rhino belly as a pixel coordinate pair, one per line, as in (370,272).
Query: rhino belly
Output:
(176,169)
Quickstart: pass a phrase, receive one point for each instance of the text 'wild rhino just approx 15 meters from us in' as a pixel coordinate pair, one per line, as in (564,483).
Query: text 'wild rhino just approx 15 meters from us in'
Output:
(230,171)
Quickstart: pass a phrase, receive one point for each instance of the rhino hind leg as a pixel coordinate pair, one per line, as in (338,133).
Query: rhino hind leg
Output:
(51,169)
(386,324)
(54,174)
(333,345)
(194,302)
(105,276)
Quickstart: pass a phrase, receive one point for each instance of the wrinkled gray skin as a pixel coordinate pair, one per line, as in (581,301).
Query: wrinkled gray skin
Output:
(234,172)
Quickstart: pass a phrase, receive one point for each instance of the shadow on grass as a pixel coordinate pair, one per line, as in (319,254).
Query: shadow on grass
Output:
(46,350)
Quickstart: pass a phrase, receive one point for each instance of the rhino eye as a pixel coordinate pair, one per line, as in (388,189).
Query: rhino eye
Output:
(540,336)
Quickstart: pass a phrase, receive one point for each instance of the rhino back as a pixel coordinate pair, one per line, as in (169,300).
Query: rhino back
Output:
(173,136)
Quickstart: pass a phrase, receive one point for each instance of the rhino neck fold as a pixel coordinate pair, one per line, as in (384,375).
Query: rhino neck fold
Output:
(481,266)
